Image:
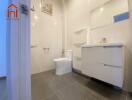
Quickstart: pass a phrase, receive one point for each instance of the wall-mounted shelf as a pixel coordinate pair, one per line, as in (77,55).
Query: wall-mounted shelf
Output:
(78,58)
(79,44)
(78,31)
(79,39)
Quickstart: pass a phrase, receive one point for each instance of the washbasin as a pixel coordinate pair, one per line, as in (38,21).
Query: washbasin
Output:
(102,44)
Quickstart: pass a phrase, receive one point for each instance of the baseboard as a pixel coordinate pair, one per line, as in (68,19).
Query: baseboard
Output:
(49,69)
(76,71)
(32,75)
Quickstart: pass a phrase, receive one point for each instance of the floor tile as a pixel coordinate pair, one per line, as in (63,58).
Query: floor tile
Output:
(71,86)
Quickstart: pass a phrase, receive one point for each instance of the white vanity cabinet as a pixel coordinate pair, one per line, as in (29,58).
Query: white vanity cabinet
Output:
(104,62)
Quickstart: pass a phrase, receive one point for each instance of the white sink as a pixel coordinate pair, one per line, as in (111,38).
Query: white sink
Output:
(102,44)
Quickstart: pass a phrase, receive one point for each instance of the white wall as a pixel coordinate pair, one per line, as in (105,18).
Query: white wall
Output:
(130,50)
(77,17)
(46,32)
(118,32)
(101,17)
(96,3)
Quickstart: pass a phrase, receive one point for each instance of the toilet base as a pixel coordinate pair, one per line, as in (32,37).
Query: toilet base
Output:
(63,72)
(63,66)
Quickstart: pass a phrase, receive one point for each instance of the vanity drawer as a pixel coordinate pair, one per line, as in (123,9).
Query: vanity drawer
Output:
(113,56)
(92,54)
(109,74)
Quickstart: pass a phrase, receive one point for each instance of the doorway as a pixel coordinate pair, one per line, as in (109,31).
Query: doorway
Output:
(46,35)
(46,40)
(3,31)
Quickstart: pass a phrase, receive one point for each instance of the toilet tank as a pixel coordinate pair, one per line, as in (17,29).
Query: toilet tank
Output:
(68,54)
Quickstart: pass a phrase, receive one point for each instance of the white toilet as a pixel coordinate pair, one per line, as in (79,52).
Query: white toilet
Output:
(64,65)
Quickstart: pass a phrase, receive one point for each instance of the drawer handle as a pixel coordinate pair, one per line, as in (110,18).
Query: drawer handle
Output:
(112,66)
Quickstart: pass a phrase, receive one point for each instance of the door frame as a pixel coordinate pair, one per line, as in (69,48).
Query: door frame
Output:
(18,55)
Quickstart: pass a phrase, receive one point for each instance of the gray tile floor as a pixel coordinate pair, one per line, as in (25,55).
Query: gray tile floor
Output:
(48,86)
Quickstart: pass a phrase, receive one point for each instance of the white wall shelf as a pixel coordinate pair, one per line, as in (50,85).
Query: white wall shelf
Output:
(81,30)
(78,58)
(79,45)
(79,39)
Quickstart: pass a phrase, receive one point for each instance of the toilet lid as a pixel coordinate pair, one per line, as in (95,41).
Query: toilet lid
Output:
(62,59)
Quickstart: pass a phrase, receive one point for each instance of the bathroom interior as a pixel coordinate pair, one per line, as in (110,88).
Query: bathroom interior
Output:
(80,50)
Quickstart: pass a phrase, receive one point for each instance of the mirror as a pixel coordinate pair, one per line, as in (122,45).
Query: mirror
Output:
(110,12)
